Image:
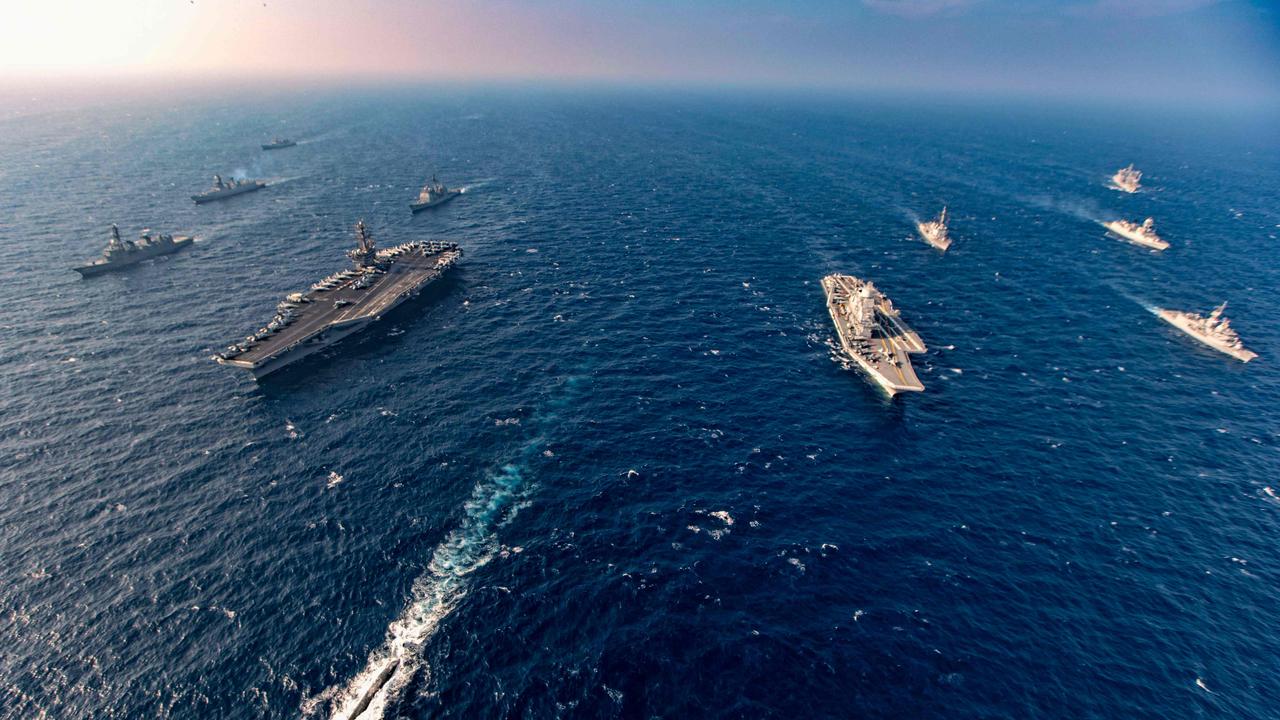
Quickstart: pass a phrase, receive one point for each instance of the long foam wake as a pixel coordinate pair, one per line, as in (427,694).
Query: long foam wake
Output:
(468,548)
(493,503)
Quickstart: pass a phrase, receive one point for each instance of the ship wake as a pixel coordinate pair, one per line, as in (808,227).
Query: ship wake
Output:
(494,502)
(1080,209)
(468,548)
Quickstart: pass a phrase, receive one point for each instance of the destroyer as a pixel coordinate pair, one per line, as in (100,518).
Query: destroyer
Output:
(279,144)
(1214,331)
(221,190)
(934,232)
(1127,179)
(872,332)
(123,253)
(433,193)
(343,303)
(1144,234)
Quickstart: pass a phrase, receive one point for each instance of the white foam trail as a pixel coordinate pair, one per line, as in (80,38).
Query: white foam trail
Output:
(322,137)
(468,548)
(494,502)
(1154,310)
(1082,209)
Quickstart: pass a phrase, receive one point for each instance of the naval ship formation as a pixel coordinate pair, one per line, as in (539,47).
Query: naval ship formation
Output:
(433,193)
(872,333)
(222,190)
(123,253)
(343,303)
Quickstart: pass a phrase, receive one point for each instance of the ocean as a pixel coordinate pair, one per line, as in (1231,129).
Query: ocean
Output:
(613,467)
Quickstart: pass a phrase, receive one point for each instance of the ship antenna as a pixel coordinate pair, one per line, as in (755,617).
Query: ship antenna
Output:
(364,252)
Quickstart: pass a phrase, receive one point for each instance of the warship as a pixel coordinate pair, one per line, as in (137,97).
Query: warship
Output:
(221,190)
(343,303)
(934,232)
(872,332)
(1127,179)
(123,253)
(1214,331)
(279,144)
(1144,234)
(433,193)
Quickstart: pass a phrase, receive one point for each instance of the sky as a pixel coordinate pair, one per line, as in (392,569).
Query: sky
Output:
(1202,51)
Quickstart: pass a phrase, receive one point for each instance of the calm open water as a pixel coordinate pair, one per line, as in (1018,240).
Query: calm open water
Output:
(611,468)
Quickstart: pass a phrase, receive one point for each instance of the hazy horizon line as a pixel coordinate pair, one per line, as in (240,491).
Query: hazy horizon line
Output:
(105,82)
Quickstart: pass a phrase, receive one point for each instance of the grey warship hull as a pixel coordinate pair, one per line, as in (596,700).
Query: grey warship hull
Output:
(212,195)
(337,308)
(419,207)
(102,266)
(279,145)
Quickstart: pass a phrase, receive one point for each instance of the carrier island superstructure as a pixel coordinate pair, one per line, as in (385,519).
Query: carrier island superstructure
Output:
(343,303)
(872,332)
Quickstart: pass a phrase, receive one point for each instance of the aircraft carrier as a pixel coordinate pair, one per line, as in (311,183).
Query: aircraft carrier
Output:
(872,333)
(343,303)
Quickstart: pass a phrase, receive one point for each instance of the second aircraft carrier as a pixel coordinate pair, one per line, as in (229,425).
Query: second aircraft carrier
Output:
(872,332)
(343,303)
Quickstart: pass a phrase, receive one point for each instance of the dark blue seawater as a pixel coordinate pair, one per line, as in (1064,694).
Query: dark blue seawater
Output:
(611,468)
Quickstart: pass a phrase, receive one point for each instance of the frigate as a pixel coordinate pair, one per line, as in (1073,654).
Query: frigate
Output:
(342,304)
(872,332)
(432,194)
(1144,234)
(1214,331)
(123,253)
(279,144)
(1127,179)
(934,232)
(229,188)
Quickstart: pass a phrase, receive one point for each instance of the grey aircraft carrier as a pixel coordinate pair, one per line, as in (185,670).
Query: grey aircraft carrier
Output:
(343,303)
(872,332)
